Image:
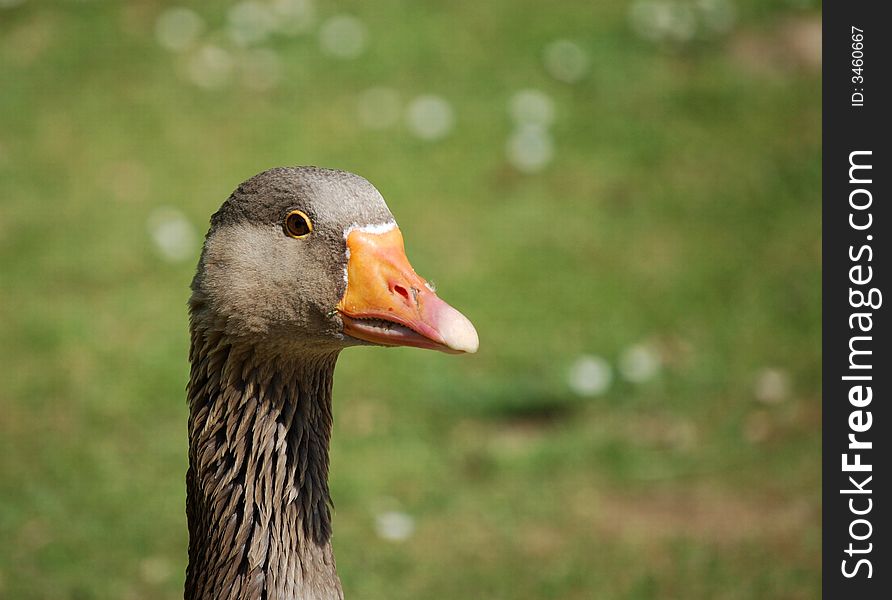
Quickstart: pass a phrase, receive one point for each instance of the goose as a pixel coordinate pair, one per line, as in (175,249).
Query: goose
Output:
(299,263)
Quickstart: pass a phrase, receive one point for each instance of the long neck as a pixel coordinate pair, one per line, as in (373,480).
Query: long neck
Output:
(258,504)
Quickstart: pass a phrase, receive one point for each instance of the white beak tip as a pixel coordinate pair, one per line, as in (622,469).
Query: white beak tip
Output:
(459,333)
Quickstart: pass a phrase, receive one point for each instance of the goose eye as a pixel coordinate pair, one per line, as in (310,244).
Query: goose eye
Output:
(297,224)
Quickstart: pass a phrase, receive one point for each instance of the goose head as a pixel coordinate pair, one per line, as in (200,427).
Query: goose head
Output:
(306,259)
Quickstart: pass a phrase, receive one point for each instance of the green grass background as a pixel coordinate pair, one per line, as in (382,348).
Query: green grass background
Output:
(681,209)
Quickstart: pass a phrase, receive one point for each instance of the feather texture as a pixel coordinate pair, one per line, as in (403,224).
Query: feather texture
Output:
(258,504)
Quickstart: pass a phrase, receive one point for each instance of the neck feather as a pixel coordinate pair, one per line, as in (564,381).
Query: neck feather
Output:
(258,504)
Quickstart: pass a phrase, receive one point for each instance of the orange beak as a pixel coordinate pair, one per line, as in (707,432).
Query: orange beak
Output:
(387,303)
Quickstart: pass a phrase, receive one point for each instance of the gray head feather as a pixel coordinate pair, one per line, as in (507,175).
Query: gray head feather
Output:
(257,283)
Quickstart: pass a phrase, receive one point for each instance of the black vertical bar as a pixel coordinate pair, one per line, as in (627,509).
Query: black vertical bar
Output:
(856,230)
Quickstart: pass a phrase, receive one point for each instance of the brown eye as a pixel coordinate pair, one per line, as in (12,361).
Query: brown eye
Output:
(297,224)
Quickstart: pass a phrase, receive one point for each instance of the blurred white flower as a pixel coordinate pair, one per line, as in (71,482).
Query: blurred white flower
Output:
(394,526)
(772,386)
(378,107)
(672,20)
(261,69)
(718,16)
(343,36)
(430,117)
(530,148)
(293,16)
(566,61)
(172,233)
(249,22)
(177,29)
(683,22)
(590,375)
(649,19)
(531,107)
(210,67)
(639,363)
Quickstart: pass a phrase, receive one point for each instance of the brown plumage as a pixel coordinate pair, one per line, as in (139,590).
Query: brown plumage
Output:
(269,314)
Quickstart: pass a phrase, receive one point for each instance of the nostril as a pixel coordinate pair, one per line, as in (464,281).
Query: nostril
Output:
(401,291)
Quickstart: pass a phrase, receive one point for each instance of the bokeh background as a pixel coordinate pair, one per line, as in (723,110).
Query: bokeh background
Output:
(623,196)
